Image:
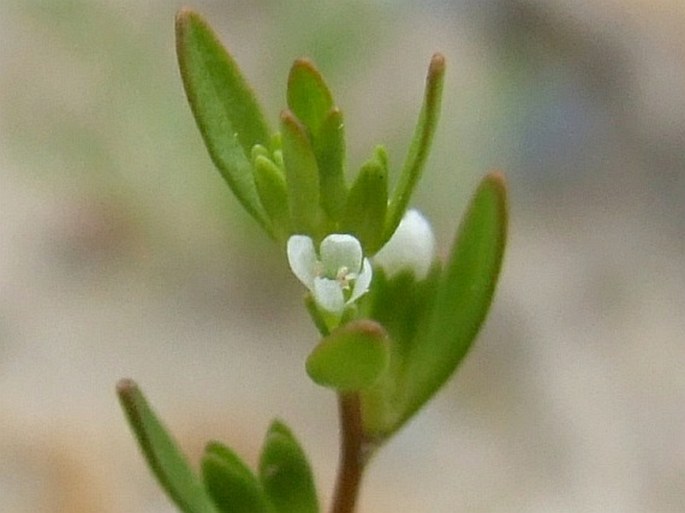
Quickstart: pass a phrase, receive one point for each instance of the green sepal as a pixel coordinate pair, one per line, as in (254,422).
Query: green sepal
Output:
(308,96)
(224,106)
(318,317)
(285,472)
(353,357)
(447,318)
(420,146)
(273,193)
(231,483)
(302,177)
(329,148)
(163,456)
(367,203)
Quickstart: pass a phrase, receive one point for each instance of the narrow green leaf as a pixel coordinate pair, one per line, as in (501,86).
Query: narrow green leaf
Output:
(463,297)
(367,203)
(285,473)
(329,148)
(224,106)
(420,145)
(232,485)
(302,176)
(163,456)
(352,357)
(310,99)
(273,193)
(308,95)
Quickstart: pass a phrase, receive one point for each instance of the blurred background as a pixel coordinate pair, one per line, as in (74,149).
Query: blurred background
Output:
(123,254)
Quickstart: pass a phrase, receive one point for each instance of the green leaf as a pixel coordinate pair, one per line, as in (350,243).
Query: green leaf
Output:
(163,456)
(308,95)
(232,485)
(273,193)
(302,176)
(225,109)
(352,357)
(285,472)
(433,322)
(310,99)
(461,302)
(420,145)
(329,148)
(367,203)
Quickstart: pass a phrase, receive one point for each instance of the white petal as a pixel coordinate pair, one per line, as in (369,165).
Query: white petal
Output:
(302,259)
(340,250)
(328,295)
(361,285)
(411,247)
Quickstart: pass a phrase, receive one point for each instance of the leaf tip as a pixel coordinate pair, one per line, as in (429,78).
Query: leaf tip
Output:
(288,118)
(303,62)
(494,185)
(183,14)
(437,64)
(368,328)
(497,178)
(292,124)
(126,387)
(183,18)
(212,446)
(277,425)
(497,182)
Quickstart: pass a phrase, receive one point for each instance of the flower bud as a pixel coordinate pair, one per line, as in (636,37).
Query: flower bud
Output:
(411,247)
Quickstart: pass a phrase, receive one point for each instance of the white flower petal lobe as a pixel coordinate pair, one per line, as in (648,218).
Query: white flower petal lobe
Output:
(302,259)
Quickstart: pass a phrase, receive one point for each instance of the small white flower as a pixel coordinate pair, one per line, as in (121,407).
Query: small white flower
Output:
(337,276)
(411,247)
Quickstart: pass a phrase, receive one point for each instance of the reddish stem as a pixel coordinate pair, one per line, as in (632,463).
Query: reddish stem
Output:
(352,457)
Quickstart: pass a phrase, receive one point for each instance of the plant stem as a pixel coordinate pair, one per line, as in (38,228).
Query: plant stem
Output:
(352,456)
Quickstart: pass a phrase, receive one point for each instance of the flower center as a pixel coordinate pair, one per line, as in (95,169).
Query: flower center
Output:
(343,277)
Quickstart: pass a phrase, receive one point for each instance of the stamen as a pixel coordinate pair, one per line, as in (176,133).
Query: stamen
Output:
(343,277)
